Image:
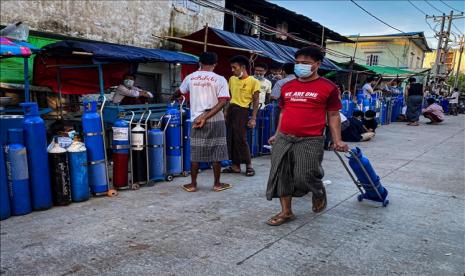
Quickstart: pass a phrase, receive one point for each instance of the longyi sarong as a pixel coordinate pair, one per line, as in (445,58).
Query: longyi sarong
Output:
(208,144)
(296,166)
(236,124)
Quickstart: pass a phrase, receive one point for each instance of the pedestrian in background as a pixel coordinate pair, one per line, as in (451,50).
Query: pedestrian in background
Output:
(414,96)
(433,112)
(208,94)
(265,84)
(454,102)
(288,75)
(245,91)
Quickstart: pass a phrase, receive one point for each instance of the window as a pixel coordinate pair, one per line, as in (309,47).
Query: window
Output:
(372,60)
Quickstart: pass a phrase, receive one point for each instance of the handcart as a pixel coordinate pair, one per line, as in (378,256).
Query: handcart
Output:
(373,190)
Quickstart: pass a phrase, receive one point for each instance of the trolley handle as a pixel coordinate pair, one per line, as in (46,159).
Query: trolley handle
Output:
(103,99)
(167,122)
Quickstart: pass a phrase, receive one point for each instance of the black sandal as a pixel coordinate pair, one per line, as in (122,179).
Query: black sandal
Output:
(230,170)
(249,172)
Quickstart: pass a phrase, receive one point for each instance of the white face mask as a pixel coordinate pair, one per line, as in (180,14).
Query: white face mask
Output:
(241,74)
(128,83)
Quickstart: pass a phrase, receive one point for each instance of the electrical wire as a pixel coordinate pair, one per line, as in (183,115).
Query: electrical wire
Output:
(457,28)
(450,6)
(420,10)
(263,28)
(377,18)
(431,5)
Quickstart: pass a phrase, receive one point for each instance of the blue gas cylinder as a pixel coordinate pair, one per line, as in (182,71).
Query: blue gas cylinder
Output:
(173,141)
(445,105)
(36,144)
(93,139)
(7,122)
(77,155)
(5,210)
(186,143)
(156,158)
(366,104)
(265,130)
(252,140)
(361,176)
(120,140)
(360,97)
(18,174)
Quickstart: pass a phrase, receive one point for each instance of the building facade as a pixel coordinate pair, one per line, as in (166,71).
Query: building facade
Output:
(136,23)
(128,22)
(406,51)
(451,62)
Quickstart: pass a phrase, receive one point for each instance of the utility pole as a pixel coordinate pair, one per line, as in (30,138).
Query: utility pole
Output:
(439,48)
(443,41)
(446,42)
(456,80)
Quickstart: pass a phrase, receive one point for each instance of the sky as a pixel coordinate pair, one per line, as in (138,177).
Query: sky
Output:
(346,18)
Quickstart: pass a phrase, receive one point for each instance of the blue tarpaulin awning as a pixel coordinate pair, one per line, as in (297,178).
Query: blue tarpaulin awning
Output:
(106,52)
(276,52)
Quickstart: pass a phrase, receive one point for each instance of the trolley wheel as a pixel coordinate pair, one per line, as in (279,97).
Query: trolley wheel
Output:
(169,177)
(385,202)
(185,174)
(135,186)
(112,193)
(360,198)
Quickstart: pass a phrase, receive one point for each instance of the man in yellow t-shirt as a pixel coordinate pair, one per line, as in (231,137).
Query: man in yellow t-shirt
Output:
(244,90)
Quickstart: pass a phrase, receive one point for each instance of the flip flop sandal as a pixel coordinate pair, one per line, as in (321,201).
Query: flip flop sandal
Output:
(316,200)
(277,220)
(189,189)
(249,172)
(229,170)
(224,186)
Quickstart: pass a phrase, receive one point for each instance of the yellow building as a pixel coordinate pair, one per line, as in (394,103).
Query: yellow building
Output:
(452,61)
(405,50)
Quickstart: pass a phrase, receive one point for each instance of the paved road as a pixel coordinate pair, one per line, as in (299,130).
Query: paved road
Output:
(162,230)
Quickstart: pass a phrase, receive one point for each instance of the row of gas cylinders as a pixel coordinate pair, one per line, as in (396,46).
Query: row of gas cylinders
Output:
(387,109)
(258,137)
(150,153)
(36,176)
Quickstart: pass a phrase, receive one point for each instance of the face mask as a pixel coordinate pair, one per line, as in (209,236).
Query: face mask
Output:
(129,83)
(258,77)
(241,74)
(303,70)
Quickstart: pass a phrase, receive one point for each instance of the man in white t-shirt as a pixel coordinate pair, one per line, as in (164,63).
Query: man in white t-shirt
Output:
(454,102)
(265,84)
(208,93)
(367,88)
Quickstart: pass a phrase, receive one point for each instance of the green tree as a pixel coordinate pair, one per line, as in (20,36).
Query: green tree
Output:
(461,84)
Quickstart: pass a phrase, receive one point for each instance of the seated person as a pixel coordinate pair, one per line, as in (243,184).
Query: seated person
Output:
(127,93)
(356,132)
(369,121)
(433,111)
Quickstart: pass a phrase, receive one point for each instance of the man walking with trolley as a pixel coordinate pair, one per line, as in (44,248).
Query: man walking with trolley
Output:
(297,152)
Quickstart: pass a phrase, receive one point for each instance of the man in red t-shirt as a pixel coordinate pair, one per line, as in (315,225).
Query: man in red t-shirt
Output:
(306,103)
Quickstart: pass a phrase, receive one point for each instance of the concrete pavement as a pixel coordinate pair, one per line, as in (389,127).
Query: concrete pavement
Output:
(162,230)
